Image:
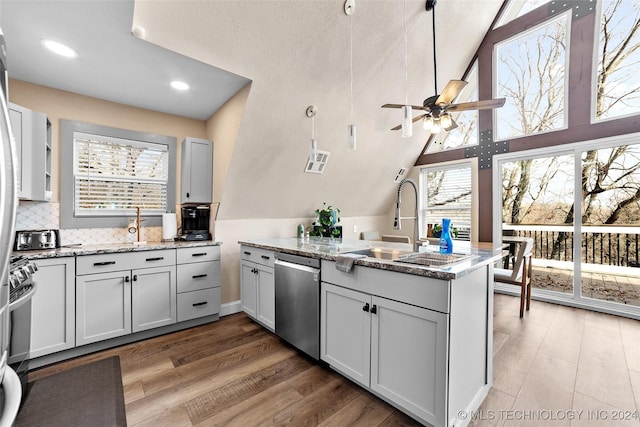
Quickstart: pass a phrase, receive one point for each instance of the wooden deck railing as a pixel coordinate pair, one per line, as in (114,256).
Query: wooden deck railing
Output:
(604,245)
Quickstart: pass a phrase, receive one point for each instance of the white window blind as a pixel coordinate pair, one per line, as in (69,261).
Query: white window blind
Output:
(113,176)
(446,193)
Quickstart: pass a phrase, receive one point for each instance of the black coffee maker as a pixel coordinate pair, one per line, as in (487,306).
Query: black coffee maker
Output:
(195,223)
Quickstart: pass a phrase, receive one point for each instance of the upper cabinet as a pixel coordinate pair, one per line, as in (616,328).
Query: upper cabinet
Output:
(32,132)
(196,181)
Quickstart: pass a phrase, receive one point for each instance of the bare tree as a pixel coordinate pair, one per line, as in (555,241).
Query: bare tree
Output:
(618,59)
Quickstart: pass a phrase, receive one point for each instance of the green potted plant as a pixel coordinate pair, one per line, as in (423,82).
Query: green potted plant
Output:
(325,222)
(436,231)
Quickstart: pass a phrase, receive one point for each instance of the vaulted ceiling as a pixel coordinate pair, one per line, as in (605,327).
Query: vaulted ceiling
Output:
(296,53)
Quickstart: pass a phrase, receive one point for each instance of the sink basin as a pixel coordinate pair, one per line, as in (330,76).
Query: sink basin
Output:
(432,259)
(382,253)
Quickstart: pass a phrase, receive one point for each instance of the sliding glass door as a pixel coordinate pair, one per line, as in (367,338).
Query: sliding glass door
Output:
(581,205)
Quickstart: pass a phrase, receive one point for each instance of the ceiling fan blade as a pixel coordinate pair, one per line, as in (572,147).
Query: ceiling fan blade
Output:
(415,119)
(477,105)
(414,107)
(450,92)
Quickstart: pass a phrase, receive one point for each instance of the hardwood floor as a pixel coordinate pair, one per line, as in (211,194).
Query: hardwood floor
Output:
(552,364)
(235,373)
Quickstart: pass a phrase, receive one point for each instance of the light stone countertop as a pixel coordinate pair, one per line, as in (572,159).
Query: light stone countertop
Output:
(329,249)
(73,250)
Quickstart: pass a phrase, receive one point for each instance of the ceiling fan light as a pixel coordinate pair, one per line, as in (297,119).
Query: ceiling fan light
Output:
(437,127)
(445,121)
(407,122)
(427,123)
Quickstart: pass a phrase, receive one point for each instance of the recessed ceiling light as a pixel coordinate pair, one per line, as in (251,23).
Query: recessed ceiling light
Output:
(179,85)
(59,48)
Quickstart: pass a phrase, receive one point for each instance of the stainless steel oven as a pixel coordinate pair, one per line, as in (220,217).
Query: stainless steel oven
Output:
(298,302)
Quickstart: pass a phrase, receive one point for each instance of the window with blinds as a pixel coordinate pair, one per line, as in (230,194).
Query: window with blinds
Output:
(446,193)
(112,176)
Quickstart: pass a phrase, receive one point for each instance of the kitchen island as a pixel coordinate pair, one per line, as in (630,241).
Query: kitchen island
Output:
(419,337)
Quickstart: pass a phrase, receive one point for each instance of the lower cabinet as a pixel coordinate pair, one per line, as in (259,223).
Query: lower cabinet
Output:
(52,307)
(103,306)
(396,349)
(116,303)
(257,285)
(153,298)
(198,282)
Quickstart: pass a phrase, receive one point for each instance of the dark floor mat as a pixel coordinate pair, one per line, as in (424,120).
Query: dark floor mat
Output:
(88,395)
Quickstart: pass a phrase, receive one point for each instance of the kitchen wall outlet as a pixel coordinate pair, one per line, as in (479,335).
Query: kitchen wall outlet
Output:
(355,229)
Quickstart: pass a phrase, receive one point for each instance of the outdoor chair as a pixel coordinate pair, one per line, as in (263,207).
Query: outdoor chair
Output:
(521,273)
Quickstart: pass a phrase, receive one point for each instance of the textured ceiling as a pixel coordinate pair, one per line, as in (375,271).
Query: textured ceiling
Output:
(297,53)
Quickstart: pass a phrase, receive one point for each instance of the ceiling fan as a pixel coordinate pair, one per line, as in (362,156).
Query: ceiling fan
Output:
(436,108)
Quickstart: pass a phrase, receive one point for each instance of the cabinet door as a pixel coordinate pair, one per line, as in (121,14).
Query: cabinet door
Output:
(53,307)
(19,118)
(153,298)
(249,288)
(409,357)
(197,171)
(345,328)
(266,297)
(103,306)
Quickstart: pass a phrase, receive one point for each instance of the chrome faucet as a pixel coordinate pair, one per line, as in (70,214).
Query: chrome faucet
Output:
(398,218)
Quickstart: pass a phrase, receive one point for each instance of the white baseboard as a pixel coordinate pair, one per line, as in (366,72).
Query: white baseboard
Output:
(230,308)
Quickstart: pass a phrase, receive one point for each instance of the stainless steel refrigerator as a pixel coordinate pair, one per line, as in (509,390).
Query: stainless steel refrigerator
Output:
(10,387)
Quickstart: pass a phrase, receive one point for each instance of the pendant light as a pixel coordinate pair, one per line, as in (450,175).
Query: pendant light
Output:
(313,147)
(407,123)
(349,8)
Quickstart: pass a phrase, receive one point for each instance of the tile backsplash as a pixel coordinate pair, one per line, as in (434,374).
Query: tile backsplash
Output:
(39,216)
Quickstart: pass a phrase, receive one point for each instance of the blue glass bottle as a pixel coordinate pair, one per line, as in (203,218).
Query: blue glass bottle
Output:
(446,244)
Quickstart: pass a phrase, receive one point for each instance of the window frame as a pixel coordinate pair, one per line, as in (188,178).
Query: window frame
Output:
(594,73)
(566,15)
(68,219)
(472,163)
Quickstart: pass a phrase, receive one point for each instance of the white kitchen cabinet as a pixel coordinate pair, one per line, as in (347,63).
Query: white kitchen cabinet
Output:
(199,282)
(153,298)
(32,133)
(345,332)
(196,181)
(422,344)
(257,285)
(53,307)
(103,306)
(120,293)
(396,349)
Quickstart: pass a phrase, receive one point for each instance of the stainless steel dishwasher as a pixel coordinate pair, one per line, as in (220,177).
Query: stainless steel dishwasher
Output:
(298,302)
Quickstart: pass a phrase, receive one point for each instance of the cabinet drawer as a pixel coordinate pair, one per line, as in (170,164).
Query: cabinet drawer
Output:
(199,275)
(260,256)
(200,303)
(198,254)
(420,291)
(102,263)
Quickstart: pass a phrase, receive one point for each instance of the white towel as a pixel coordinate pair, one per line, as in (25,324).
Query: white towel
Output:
(345,262)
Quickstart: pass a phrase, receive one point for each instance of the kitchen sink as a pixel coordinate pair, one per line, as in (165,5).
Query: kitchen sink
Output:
(432,259)
(382,253)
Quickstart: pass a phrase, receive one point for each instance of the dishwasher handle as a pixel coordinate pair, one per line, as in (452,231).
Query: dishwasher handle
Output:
(297,259)
(286,264)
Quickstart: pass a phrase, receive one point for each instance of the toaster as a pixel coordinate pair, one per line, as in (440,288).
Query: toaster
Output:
(28,240)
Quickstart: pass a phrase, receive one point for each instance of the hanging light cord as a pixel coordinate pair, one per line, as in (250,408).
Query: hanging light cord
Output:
(313,127)
(351,63)
(406,73)
(435,67)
